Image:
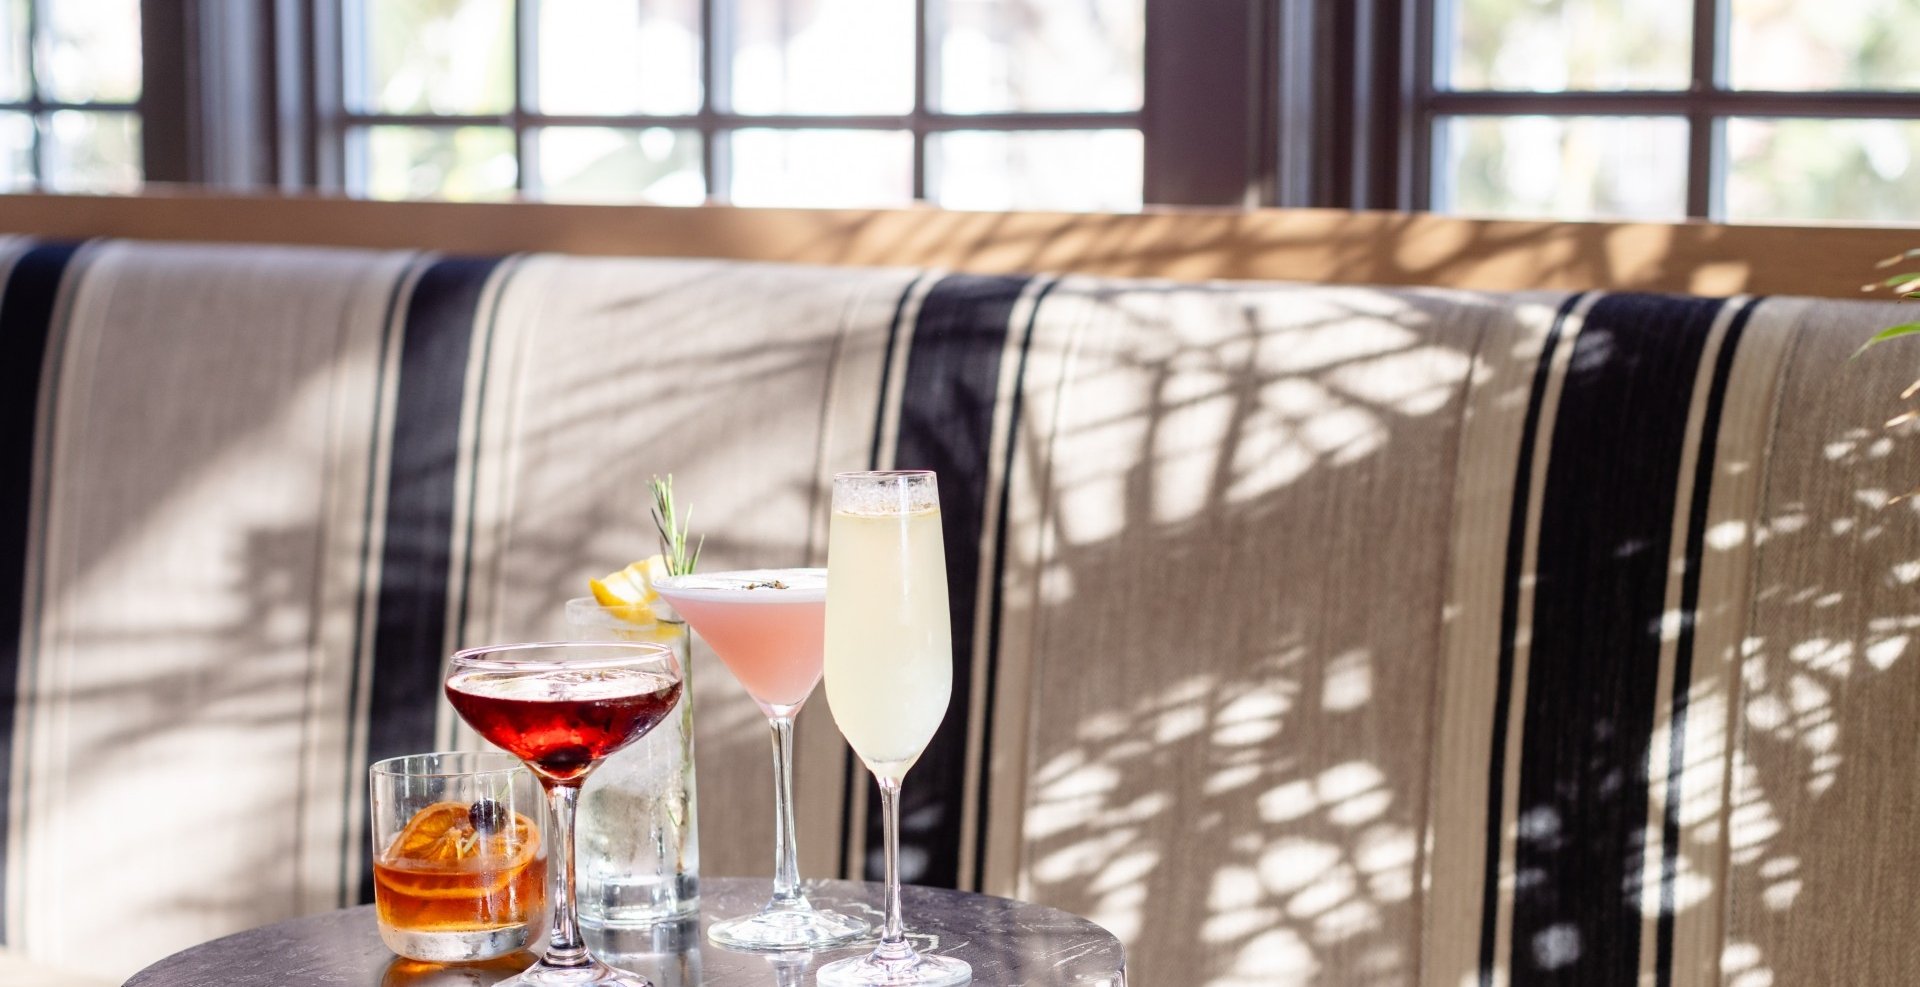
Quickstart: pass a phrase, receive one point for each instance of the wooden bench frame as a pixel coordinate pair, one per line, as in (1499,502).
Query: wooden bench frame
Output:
(1188,245)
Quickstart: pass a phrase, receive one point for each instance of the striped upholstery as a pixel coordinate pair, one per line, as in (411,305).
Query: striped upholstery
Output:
(1303,635)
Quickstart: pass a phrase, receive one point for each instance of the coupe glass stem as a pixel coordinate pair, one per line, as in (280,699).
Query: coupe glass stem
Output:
(786,865)
(894,940)
(564,947)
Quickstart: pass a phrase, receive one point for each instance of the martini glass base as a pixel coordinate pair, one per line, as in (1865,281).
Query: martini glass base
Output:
(592,973)
(780,930)
(909,969)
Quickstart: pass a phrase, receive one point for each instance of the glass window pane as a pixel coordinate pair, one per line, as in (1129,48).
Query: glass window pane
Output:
(435,56)
(998,56)
(92,152)
(1556,45)
(619,56)
(13,51)
(828,168)
(16,150)
(822,56)
(1796,169)
(602,164)
(461,163)
(1832,44)
(1562,167)
(90,52)
(1078,170)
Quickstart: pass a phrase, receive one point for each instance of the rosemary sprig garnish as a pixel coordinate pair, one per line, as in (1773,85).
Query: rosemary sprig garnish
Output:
(673,529)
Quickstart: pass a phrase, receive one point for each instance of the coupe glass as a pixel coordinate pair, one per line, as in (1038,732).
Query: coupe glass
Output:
(889,669)
(767,625)
(562,708)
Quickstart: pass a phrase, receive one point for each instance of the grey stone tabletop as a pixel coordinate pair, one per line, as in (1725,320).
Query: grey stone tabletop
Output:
(1009,944)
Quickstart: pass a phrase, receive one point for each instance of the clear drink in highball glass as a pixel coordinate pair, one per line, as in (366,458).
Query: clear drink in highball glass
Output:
(639,838)
(562,708)
(767,625)
(459,868)
(889,672)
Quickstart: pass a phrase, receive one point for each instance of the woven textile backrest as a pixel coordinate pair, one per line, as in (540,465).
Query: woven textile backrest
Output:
(1303,635)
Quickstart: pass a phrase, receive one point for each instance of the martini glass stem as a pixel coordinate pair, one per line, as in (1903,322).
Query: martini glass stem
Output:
(786,865)
(564,946)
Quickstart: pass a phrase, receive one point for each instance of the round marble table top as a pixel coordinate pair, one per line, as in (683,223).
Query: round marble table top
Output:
(1009,944)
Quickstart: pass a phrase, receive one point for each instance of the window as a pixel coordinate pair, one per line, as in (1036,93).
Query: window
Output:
(1740,110)
(70,95)
(994,104)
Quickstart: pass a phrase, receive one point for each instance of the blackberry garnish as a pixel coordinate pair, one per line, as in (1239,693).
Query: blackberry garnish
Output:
(487,816)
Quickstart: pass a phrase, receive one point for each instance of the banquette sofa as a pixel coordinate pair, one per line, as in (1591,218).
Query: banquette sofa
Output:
(1305,634)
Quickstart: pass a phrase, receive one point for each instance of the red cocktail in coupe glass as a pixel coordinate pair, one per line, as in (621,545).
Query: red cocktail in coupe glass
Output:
(562,708)
(769,627)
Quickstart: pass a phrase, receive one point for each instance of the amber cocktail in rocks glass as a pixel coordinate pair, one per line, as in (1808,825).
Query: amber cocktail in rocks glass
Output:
(562,708)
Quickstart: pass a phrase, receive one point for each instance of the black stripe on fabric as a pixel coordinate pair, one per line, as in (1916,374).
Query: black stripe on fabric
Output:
(994,600)
(1606,527)
(26,330)
(1683,647)
(410,616)
(853,772)
(1509,627)
(946,425)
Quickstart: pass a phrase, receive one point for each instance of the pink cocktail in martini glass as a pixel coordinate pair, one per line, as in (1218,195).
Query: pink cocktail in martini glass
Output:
(769,627)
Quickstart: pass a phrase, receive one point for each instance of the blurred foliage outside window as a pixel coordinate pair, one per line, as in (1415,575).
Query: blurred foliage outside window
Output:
(69,89)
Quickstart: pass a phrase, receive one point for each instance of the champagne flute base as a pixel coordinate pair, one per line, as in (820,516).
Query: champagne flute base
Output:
(904,968)
(592,973)
(782,929)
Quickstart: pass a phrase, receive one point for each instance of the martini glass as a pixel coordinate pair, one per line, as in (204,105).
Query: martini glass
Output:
(767,626)
(889,668)
(562,708)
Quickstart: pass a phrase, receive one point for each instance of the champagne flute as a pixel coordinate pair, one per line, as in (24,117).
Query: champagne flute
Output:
(889,672)
(563,708)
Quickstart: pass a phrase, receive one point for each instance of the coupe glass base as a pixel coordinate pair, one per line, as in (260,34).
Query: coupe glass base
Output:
(908,970)
(782,930)
(593,973)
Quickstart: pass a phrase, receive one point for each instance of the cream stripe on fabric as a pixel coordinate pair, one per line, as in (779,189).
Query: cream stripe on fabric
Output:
(1653,862)
(622,369)
(372,500)
(454,733)
(1239,625)
(1493,423)
(1720,625)
(1821,840)
(202,452)
(1031,540)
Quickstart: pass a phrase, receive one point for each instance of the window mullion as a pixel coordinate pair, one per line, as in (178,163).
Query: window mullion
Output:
(526,92)
(1708,76)
(923,69)
(716,97)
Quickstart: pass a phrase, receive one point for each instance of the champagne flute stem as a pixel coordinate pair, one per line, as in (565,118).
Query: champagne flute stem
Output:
(786,866)
(564,947)
(895,936)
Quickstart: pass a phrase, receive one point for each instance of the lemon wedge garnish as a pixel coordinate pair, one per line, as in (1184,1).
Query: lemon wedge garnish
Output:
(630,587)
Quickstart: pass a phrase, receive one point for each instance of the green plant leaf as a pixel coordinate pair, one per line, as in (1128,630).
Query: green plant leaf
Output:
(1891,332)
(1900,279)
